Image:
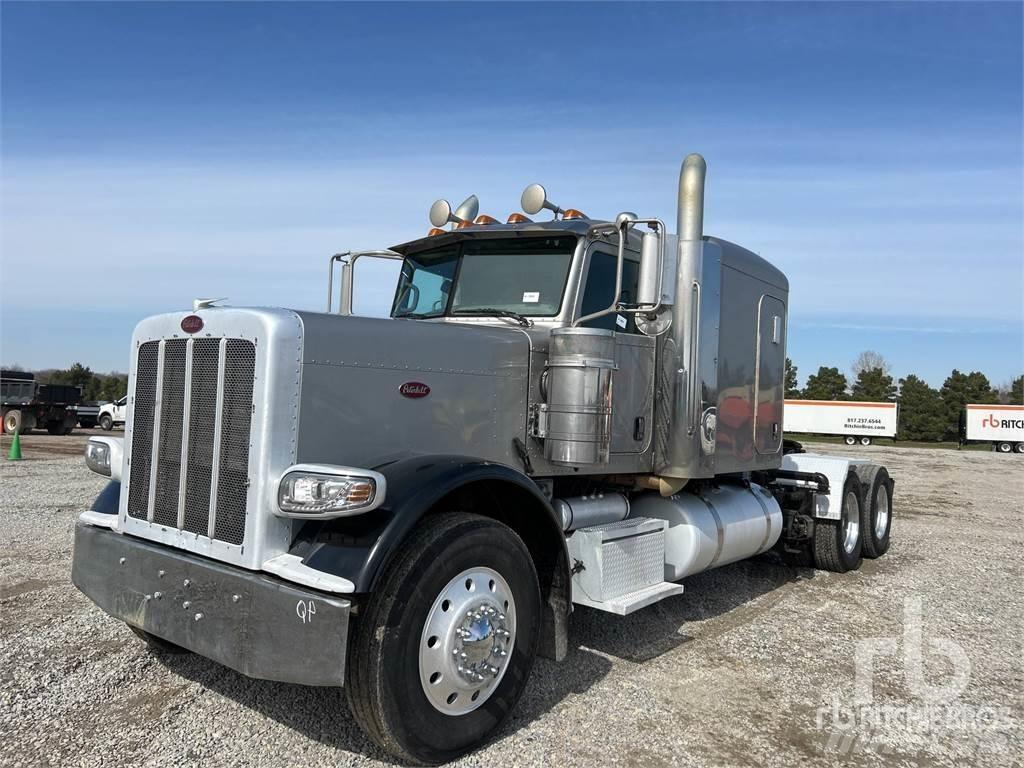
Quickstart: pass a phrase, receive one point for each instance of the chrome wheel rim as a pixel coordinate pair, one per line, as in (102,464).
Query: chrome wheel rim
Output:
(467,641)
(850,440)
(851,524)
(881,512)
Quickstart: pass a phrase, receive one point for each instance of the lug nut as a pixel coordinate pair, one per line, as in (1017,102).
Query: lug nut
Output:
(161,573)
(158,595)
(147,598)
(186,605)
(199,616)
(122,560)
(235,598)
(187,583)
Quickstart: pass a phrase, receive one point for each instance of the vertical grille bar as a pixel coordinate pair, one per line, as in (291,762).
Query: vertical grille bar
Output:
(143,404)
(233,470)
(185,422)
(218,429)
(155,438)
(169,437)
(201,439)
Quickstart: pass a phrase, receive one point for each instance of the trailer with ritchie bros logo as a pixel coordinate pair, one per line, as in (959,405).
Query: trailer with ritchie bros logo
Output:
(411,507)
(856,422)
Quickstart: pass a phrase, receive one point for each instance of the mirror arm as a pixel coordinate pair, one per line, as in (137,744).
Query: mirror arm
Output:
(623,231)
(348,261)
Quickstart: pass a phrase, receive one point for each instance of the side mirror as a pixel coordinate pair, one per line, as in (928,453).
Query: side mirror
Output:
(648,287)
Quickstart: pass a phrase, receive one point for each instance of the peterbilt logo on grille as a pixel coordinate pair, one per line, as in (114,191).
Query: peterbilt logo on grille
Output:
(192,324)
(414,389)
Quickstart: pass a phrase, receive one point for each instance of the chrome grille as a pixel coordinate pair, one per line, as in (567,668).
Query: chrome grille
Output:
(190,446)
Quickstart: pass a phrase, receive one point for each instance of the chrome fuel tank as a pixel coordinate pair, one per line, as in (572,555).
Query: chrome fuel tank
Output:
(715,526)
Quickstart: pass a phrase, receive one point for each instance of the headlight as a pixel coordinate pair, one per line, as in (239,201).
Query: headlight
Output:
(329,491)
(97,457)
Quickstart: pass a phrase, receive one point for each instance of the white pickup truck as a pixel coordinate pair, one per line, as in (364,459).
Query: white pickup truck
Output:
(113,414)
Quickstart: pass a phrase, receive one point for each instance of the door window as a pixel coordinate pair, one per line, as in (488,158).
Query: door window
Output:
(597,293)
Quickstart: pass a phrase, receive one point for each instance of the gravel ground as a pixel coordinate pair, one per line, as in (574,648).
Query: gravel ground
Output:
(753,666)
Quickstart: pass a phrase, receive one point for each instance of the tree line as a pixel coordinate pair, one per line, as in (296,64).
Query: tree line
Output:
(926,413)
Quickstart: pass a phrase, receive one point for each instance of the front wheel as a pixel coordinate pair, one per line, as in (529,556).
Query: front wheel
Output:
(443,651)
(106,422)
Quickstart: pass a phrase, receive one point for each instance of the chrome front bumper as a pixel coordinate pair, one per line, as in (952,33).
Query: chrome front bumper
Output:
(248,621)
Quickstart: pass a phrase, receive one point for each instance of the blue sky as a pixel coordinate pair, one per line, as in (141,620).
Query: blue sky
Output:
(153,153)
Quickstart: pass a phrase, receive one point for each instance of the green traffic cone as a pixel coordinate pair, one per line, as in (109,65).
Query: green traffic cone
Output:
(15,454)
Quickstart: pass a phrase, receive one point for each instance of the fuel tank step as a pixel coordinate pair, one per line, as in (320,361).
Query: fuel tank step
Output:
(620,567)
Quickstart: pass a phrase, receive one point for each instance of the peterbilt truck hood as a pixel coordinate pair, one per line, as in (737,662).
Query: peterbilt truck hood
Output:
(374,389)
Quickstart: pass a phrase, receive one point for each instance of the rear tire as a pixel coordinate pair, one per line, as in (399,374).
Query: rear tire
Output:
(1004,447)
(865,441)
(158,644)
(400,644)
(1019,447)
(875,509)
(55,428)
(850,440)
(838,544)
(106,422)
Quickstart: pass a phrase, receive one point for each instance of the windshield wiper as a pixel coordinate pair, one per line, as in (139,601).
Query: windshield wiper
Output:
(416,315)
(521,319)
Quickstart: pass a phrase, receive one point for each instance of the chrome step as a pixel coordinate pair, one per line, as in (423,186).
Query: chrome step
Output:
(631,601)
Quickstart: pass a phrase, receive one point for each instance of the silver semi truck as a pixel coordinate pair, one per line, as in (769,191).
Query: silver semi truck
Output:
(556,413)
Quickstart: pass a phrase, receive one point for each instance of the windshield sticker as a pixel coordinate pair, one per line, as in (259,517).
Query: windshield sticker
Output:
(620,321)
(531,297)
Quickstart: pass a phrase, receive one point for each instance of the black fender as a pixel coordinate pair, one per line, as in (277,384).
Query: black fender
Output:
(357,548)
(109,500)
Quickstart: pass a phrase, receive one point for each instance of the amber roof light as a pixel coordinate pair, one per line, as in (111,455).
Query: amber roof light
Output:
(572,213)
(483,219)
(435,231)
(519,218)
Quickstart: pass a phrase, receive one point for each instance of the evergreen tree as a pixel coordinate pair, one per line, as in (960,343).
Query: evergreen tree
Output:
(873,385)
(792,384)
(826,384)
(1017,391)
(960,389)
(922,413)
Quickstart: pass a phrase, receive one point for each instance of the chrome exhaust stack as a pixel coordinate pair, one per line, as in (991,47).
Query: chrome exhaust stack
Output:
(683,451)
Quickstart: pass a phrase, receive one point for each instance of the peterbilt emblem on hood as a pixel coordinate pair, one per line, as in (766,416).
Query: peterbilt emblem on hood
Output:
(414,389)
(192,324)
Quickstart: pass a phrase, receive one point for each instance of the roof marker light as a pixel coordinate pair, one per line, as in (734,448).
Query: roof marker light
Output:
(519,218)
(484,219)
(572,213)
(435,231)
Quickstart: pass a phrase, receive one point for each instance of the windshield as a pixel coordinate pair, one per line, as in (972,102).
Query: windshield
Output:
(521,275)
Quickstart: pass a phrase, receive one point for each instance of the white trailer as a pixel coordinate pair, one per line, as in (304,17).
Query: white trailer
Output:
(855,422)
(1001,425)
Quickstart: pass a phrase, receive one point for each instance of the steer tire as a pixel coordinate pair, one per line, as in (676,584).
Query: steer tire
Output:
(830,552)
(385,688)
(158,644)
(875,509)
(106,422)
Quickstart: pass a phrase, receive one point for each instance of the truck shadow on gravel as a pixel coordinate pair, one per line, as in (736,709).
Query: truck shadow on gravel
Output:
(713,602)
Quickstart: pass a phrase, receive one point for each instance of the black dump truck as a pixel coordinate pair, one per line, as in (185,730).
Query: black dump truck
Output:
(28,405)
